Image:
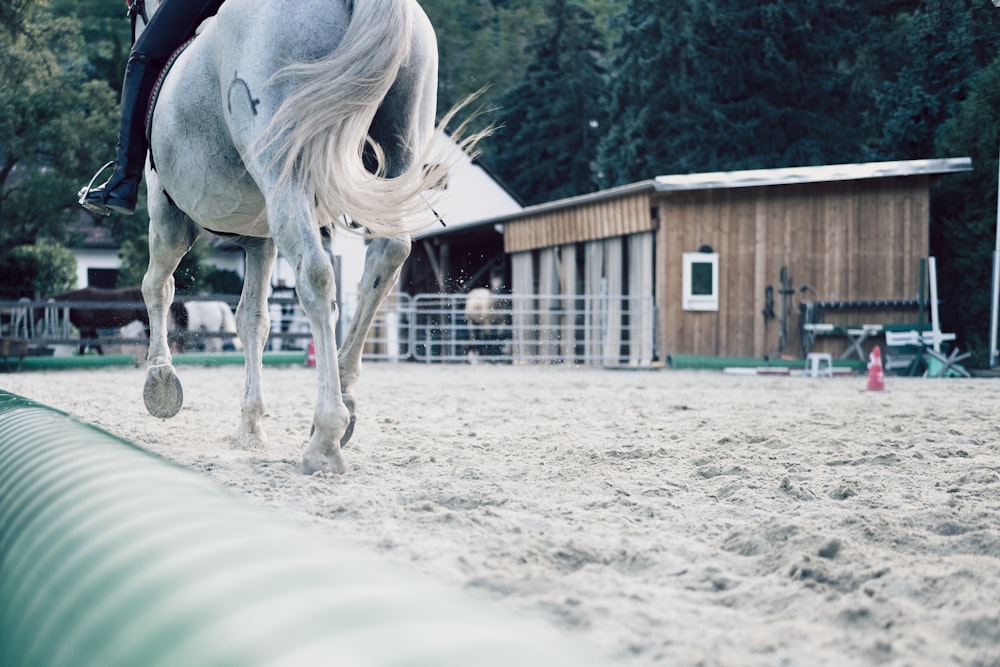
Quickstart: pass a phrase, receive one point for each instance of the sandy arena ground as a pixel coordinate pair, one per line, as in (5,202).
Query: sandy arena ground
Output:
(658,517)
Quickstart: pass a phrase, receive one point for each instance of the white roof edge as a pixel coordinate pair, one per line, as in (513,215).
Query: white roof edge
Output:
(818,174)
(600,195)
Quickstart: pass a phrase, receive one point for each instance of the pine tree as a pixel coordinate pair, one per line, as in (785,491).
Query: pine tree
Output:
(482,46)
(910,106)
(730,85)
(550,124)
(963,211)
(652,58)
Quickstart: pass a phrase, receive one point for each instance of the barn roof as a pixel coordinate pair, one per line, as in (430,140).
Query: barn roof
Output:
(820,174)
(739,179)
(735,179)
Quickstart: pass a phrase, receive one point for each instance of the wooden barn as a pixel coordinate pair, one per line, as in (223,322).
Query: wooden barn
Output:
(756,263)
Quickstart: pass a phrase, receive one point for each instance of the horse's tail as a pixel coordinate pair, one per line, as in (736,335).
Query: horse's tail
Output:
(320,133)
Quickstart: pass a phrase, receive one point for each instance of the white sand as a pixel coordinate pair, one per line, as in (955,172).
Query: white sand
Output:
(659,517)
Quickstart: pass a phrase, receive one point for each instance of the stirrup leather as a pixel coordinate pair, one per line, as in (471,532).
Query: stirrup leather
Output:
(85,192)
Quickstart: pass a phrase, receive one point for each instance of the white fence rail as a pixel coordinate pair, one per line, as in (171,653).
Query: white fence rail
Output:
(47,324)
(608,330)
(32,320)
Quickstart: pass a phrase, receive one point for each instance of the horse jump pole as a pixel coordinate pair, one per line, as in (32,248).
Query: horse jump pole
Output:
(113,557)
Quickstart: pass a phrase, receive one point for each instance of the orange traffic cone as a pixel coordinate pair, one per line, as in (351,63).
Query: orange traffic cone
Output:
(876,375)
(311,354)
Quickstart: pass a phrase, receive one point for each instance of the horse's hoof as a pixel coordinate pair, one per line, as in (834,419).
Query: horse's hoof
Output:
(348,433)
(334,463)
(162,392)
(248,439)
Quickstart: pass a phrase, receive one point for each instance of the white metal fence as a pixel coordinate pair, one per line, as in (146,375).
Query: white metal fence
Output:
(608,330)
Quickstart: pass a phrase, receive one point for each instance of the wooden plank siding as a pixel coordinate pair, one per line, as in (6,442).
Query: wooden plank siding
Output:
(856,240)
(841,240)
(608,218)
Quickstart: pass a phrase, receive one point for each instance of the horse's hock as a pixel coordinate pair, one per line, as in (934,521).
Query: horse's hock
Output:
(112,557)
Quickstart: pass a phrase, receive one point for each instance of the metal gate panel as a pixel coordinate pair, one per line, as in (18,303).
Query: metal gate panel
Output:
(548,328)
(390,337)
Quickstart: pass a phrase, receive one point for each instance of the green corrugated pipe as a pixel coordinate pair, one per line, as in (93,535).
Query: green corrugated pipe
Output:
(112,557)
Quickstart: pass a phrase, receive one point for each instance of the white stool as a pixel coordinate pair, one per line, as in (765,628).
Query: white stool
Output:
(819,364)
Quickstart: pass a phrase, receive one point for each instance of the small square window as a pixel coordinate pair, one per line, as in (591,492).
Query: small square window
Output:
(700,281)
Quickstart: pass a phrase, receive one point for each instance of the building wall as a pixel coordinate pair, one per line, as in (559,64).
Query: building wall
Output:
(94,259)
(607,218)
(586,302)
(846,241)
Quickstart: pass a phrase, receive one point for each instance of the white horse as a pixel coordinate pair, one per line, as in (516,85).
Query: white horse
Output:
(282,116)
(484,313)
(212,317)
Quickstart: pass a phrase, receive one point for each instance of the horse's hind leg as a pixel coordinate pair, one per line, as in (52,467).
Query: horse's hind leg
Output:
(171,235)
(404,123)
(297,235)
(253,322)
(383,260)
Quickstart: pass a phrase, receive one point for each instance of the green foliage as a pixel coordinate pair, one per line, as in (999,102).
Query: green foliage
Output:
(910,106)
(51,119)
(964,210)
(482,46)
(708,86)
(131,233)
(107,35)
(58,114)
(651,51)
(222,281)
(189,278)
(37,270)
(13,14)
(134,257)
(551,122)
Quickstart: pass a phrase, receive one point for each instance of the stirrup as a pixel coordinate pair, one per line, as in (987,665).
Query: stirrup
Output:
(85,192)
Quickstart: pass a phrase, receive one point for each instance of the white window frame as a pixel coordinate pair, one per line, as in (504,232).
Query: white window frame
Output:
(700,301)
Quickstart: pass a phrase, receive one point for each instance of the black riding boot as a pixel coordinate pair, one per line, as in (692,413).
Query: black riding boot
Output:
(119,193)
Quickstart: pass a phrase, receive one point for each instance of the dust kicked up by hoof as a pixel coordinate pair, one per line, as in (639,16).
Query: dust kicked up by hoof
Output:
(162,392)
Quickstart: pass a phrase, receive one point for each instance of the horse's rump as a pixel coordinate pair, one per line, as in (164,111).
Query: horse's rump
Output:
(334,105)
(321,132)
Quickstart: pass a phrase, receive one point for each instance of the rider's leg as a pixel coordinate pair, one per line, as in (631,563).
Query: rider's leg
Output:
(119,193)
(173,23)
